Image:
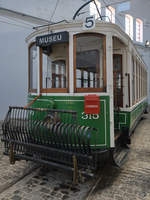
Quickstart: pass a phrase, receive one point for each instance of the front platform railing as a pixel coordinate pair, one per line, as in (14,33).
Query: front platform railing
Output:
(47,136)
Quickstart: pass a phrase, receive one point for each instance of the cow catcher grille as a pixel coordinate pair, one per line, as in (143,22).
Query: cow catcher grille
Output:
(47,136)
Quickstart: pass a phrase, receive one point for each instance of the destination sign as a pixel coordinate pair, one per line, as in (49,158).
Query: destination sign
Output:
(46,40)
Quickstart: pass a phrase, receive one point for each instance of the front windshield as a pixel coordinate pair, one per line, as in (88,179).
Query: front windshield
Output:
(90,62)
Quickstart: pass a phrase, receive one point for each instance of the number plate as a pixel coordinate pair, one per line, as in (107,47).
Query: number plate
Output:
(89,23)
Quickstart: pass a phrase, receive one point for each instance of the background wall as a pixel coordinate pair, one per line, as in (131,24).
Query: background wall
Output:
(13,68)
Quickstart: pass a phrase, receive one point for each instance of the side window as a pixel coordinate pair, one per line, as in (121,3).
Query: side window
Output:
(54,68)
(89,63)
(32,68)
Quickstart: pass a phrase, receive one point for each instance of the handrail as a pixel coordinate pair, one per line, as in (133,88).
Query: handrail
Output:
(29,104)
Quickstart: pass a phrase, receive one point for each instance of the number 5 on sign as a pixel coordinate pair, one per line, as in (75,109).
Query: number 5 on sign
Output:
(89,23)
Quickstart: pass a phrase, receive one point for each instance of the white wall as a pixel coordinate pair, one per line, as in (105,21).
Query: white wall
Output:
(13,68)
(49,9)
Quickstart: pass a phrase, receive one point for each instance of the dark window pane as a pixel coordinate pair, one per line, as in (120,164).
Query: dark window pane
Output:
(89,61)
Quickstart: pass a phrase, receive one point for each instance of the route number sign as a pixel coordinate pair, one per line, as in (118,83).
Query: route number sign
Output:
(89,23)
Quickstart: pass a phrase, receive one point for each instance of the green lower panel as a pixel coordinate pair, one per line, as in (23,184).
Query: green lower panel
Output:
(76,103)
(121,119)
(128,119)
(137,112)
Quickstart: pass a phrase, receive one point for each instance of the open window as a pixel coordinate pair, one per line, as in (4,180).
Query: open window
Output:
(89,62)
(32,81)
(54,68)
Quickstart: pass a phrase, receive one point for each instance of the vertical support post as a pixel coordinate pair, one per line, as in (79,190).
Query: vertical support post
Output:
(128,79)
(75,171)
(11,154)
(38,70)
(109,70)
(129,96)
(71,63)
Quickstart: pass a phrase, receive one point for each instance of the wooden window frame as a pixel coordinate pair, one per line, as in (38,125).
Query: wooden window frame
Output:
(89,90)
(29,70)
(55,90)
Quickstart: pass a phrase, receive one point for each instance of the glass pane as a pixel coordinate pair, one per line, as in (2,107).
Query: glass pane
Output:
(117,63)
(89,61)
(118,78)
(54,66)
(33,67)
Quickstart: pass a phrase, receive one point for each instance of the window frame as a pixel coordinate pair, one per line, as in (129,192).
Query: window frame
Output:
(139,30)
(55,90)
(120,56)
(130,32)
(30,90)
(89,90)
(110,11)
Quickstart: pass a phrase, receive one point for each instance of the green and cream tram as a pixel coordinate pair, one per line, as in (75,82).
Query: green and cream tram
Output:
(96,76)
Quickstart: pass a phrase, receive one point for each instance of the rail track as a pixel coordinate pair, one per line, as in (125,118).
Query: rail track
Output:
(22,180)
(103,174)
(51,183)
(14,181)
(44,183)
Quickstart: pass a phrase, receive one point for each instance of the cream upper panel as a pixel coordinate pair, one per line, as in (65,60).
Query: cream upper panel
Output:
(77,27)
(74,27)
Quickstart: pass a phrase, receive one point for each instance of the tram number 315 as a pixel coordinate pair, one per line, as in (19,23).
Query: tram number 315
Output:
(89,116)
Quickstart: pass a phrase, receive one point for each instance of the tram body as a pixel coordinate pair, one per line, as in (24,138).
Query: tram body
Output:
(97,73)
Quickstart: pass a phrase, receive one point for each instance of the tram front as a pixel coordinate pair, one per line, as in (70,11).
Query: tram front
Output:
(70,104)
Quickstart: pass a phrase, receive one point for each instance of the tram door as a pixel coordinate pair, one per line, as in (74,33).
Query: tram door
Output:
(117,79)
